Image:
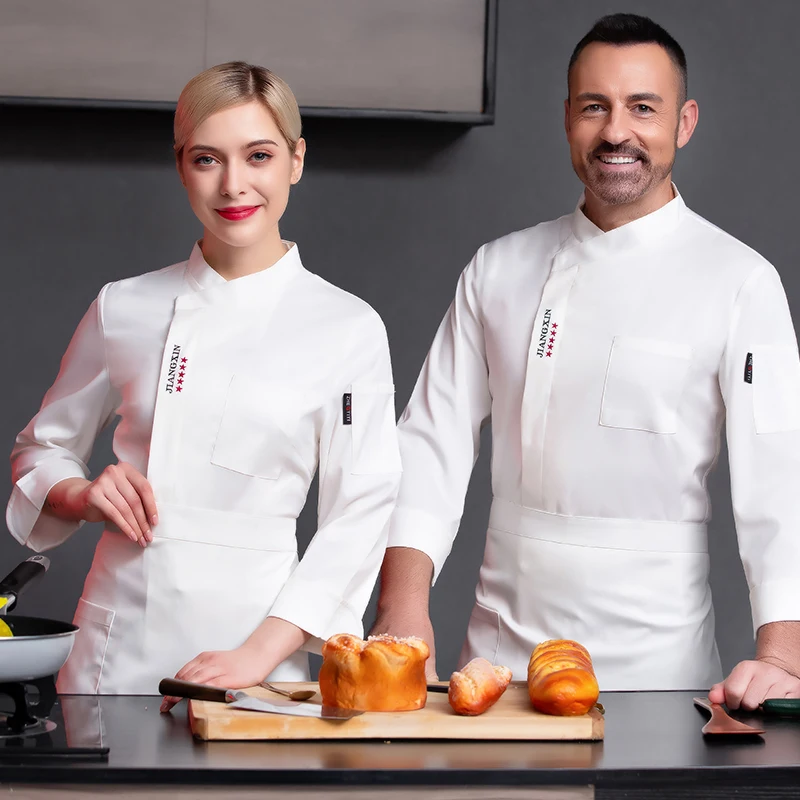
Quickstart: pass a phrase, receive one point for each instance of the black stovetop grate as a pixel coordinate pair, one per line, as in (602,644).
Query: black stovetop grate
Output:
(32,724)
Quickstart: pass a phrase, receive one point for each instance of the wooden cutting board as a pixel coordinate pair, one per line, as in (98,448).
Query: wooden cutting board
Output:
(512,717)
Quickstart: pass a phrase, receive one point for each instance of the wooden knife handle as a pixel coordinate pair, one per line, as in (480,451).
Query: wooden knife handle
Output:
(192,691)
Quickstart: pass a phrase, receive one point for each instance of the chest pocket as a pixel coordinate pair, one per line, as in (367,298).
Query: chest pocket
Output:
(644,383)
(259,422)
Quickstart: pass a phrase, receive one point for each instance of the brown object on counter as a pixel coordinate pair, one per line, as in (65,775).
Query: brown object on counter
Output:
(477,686)
(561,679)
(383,673)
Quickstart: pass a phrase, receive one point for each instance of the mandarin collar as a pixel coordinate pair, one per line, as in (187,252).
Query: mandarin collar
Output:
(205,286)
(587,242)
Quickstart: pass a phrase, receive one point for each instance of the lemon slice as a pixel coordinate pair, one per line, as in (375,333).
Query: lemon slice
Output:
(4,629)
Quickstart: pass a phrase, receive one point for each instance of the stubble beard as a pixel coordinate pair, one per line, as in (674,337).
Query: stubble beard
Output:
(620,188)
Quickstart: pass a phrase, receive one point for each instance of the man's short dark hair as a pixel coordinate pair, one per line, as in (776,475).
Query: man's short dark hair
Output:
(628,29)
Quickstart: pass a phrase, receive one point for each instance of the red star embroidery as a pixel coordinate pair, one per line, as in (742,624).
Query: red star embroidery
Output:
(181,374)
(549,353)
(183,361)
(555,326)
(179,388)
(180,381)
(552,339)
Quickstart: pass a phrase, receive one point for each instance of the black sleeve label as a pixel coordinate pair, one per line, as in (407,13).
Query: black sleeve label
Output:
(748,368)
(347,409)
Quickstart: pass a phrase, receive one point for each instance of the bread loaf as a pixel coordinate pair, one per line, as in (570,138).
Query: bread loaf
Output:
(561,679)
(382,673)
(477,686)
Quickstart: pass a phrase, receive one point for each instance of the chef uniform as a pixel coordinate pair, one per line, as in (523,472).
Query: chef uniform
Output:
(607,363)
(229,394)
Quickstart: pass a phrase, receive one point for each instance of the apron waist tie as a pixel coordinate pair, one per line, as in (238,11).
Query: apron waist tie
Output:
(603,532)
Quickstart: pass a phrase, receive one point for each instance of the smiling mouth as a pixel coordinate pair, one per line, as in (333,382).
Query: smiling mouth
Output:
(237,212)
(607,159)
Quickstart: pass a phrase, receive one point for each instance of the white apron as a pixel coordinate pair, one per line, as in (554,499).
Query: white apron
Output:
(547,576)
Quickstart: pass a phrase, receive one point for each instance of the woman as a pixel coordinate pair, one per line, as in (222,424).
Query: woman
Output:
(235,375)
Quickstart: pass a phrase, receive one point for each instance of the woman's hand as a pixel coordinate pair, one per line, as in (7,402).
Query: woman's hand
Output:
(120,495)
(273,641)
(230,669)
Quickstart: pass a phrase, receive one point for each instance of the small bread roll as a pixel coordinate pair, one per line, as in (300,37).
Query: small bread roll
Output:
(477,687)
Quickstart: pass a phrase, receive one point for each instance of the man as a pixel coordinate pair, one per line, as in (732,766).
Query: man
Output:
(608,347)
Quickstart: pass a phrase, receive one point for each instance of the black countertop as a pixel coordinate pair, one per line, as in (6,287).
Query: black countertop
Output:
(652,739)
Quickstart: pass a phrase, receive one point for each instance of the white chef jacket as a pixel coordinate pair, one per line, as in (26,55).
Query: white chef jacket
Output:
(229,395)
(607,363)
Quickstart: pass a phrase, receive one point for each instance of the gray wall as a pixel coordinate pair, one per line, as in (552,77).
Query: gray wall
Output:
(393,212)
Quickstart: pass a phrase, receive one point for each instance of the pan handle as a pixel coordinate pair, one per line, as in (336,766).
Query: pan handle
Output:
(22,577)
(192,691)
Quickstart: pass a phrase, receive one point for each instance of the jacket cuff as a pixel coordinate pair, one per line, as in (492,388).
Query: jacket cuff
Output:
(307,605)
(775,601)
(346,620)
(410,527)
(24,513)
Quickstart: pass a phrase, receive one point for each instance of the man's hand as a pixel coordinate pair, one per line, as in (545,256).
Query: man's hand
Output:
(406,578)
(402,624)
(752,682)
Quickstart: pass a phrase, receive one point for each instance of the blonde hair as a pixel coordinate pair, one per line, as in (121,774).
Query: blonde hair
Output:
(233,84)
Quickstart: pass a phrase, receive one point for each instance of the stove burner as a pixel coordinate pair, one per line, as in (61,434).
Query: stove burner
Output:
(35,728)
(22,722)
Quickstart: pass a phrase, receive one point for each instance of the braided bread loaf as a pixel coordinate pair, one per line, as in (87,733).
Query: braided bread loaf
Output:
(561,679)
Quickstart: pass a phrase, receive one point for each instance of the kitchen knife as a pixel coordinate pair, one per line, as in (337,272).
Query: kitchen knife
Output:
(242,700)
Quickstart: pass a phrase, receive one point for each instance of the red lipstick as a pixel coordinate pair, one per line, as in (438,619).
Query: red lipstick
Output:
(235,213)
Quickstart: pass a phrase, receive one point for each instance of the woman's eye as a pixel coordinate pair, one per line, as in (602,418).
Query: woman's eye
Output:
(204,161)
(261,157)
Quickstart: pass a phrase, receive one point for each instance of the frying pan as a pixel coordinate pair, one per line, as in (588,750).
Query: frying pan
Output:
(39,647)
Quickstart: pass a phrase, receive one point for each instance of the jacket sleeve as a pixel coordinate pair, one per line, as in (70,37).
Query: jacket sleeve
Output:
(440,429)
(359,475)
(760,383)
(58,441)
